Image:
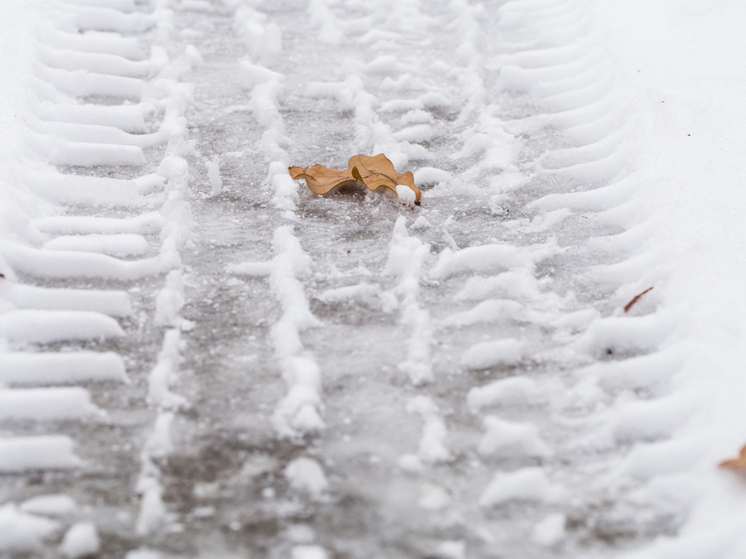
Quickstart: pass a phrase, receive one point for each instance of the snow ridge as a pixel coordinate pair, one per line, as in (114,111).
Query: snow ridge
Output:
(299,415)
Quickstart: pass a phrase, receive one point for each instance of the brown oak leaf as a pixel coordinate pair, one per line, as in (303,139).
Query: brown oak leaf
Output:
(373,172)
(736,464)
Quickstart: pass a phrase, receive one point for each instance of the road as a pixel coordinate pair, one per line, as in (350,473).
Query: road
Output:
(236,367)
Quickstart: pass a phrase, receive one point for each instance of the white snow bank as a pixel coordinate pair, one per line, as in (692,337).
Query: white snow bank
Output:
(681,63)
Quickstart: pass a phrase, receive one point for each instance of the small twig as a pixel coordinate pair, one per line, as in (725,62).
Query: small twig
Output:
(635,299)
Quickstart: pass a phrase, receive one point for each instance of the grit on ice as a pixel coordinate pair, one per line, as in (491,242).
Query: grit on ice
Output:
(544,358)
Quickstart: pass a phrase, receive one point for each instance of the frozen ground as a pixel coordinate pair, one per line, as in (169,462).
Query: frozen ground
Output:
(201,358)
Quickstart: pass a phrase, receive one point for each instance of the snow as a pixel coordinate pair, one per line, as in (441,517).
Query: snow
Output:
(165,372)
(46,368)
(433,442)
(572,155)
(487,259)
(143,553)
(50,505)
(110,302)
(527,484)
(484,355)
(309,552)
(21,532)
(213,174)
(45,326)
(18,454)
(506,392)
(81,539)
(689,176)
(406,195)
(47,404)
(305,475)
(509,437)
(451,550)
(550,531)
(115,245)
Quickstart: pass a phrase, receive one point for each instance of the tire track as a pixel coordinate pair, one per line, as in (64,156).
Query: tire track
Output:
(90,254)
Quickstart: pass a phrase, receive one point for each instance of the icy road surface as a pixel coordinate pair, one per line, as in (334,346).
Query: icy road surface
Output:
(200,358)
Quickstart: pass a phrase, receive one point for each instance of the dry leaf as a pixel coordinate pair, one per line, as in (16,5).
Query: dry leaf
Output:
(635,299)
(374,172)
(321,179)
(736,464)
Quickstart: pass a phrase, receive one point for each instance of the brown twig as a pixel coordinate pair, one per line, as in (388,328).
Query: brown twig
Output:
(635,299)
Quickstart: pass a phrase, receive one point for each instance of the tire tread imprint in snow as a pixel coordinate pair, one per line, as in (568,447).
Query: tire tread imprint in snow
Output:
(375,381)
(78,293)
